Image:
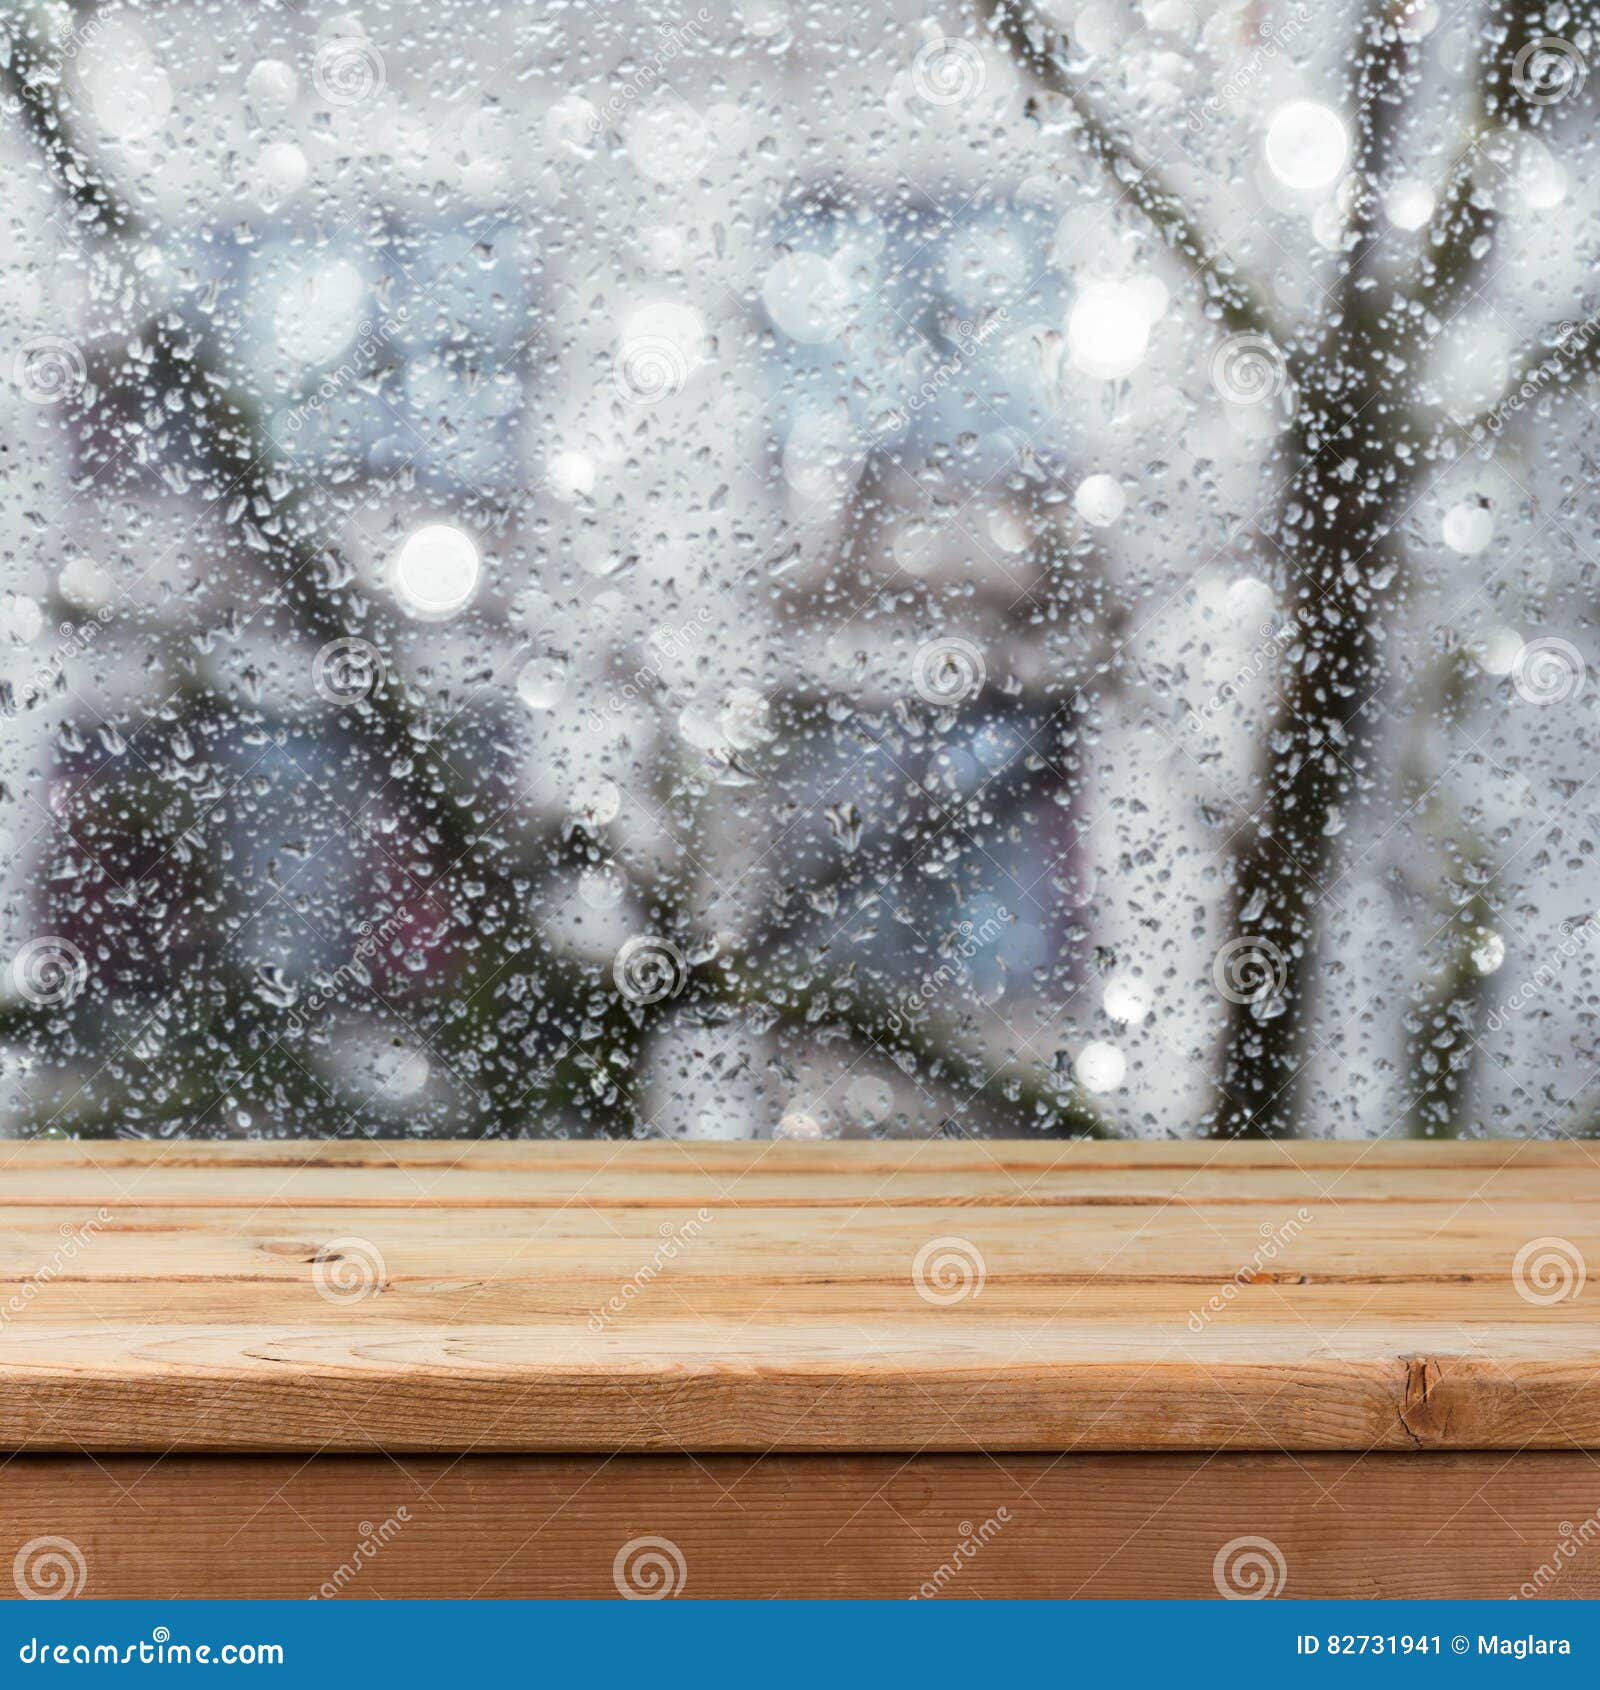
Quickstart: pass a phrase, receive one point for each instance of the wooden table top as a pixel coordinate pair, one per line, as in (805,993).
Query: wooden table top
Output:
(794,1297)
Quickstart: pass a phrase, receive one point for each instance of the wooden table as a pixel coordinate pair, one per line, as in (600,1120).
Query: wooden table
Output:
(1176,1369)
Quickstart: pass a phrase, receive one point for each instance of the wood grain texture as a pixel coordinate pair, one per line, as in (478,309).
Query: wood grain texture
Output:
(767,1297)
(1450,1525)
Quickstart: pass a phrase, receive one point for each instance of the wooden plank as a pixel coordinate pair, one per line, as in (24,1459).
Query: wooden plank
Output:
(430,1398)
(384,1189)
(1102,1320)
(1106,1526)
(778,1175)
(1313,1242)
(806,1158)
(463,1367)
(577,1297)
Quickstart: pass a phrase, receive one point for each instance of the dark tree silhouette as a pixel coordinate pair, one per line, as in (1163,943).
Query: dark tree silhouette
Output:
(1347,471)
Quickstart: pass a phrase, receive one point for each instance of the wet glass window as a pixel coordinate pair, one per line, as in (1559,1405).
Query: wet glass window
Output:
(789,570)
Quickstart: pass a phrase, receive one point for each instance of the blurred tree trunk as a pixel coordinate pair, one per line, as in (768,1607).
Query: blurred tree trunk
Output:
(1348,471)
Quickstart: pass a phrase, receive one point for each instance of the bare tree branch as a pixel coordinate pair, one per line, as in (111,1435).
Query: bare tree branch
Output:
(1572,358)
(499,978)
(1461,234)
(205,414)
(1333,541)
(1229,299)
(31,78)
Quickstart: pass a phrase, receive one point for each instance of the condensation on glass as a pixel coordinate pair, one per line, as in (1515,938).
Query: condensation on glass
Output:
(797,571)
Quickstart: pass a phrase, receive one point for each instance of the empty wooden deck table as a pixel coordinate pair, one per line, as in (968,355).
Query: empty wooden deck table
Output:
(779,1369)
